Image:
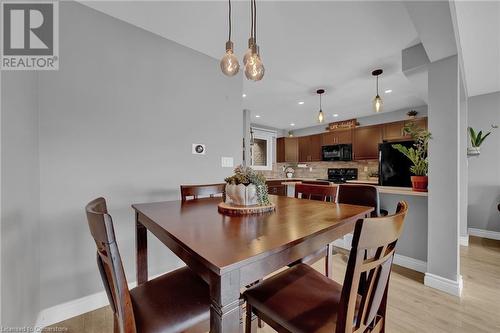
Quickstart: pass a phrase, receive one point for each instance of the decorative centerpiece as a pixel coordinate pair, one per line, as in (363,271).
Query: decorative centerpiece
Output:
(246,193)
(417,155)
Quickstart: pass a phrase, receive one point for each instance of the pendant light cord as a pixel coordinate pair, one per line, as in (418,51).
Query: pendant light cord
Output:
(230,23)
(251,19)
(255,20)
(320,107)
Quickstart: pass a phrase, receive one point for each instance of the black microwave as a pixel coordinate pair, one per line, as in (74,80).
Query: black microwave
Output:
(337,152)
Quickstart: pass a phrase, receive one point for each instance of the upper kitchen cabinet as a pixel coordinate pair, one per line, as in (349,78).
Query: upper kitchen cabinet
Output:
(395,130)
(336,137)
(287,150)
(280,150)
(365,142)
(420,122)
(310,148)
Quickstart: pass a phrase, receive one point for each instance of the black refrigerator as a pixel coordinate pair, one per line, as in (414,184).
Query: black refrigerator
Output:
(393,166)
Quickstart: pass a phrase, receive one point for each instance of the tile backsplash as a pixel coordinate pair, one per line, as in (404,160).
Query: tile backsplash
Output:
(319,170)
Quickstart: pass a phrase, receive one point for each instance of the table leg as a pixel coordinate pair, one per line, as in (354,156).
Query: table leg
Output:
(329,261)
(141,246)
(225,309)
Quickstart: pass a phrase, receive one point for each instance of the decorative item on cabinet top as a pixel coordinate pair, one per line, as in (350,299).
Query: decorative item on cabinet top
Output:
(344,124)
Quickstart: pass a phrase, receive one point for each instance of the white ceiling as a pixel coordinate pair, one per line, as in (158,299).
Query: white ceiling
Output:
(304,45)
(479,29)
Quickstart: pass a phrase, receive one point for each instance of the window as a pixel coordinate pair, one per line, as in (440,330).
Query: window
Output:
(262,149)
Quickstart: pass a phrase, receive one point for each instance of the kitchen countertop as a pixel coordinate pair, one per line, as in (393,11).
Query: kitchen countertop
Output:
(382,189)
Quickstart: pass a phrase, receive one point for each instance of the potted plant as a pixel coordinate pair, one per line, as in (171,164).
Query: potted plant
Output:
(476,139)
(417,155)
(246,187)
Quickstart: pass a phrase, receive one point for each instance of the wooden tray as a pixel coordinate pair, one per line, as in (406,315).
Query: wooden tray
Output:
(229,209)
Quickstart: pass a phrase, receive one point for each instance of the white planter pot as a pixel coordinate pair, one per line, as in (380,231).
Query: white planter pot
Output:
(473,151)
(241,195)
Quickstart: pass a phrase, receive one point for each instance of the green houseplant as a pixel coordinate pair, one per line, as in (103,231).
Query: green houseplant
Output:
(476,139)
(246,187)
(417,155)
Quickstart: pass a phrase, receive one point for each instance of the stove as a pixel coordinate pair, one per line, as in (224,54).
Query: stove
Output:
(341,175)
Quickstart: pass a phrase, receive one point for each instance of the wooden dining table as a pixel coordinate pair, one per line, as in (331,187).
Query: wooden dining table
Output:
(232,252)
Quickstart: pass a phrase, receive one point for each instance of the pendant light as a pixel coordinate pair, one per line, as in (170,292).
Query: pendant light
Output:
(377,101)
(229,63)
(254,68)
(321,116)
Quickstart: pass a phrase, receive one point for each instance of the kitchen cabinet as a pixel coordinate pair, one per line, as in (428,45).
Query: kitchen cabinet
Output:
(395,130)
(310,148)
(280,150)
(365,142)
(287,150)
(421,122)
(336,137)
(315,150)
(276,188)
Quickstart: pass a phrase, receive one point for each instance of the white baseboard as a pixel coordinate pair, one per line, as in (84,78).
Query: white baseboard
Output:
(484,233)
(446,285)
(464,240)
(411,263)
(400,260)
(67,310)
(60,312)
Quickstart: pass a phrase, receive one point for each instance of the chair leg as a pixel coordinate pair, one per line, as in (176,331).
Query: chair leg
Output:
(260,322)
(248,323)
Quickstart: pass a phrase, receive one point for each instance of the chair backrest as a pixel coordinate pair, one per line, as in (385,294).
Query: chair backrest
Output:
(315,192)
(110,265)
(362,195)
(364,293)
(196,191)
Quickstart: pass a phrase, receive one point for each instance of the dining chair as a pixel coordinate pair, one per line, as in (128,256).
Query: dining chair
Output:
(174,302)
(362,195)
(321,193)
(196,191)
(300,299)
(316,192)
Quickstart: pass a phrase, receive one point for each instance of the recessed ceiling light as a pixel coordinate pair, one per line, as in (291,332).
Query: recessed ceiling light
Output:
(292,124)
(244,95)
(388,91)
(257,116)
(335,114)
(301,102)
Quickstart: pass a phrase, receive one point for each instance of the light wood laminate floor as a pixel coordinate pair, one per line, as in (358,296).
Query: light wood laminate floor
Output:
(412,306)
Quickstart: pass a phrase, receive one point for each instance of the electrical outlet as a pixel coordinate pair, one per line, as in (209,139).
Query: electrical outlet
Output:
(366,169)
(227,162)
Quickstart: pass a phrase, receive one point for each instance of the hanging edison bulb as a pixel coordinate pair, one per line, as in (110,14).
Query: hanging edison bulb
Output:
(377,101)
(321,117)
(377,104)
(248,53)
(254,68)
(229,63)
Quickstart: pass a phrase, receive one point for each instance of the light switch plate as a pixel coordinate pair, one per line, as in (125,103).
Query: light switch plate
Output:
(199,149)
(227,162)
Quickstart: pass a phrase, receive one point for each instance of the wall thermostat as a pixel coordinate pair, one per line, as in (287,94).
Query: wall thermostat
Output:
(199,149)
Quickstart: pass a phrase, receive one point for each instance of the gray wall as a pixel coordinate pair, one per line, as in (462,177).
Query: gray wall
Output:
(118,120)
(20,199)
(484,171)
(385,117)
